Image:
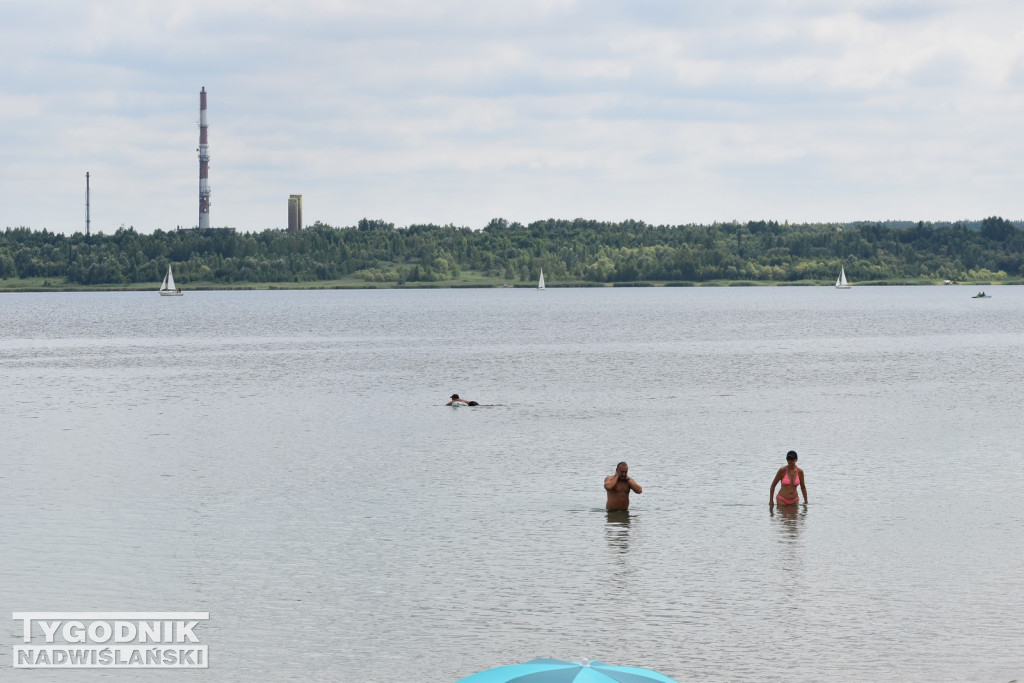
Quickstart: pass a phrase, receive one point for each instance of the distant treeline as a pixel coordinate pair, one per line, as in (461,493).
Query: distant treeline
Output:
(568,251)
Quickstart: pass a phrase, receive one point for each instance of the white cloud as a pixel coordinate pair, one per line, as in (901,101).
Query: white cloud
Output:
(459,111)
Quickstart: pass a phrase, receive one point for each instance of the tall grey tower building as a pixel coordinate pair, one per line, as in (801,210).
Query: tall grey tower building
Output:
(295,213)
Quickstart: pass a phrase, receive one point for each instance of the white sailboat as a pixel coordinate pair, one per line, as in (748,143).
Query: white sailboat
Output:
(841,282)
(168,288)
(540,282)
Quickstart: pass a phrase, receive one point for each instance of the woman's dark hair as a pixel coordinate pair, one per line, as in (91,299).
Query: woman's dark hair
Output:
(791,455)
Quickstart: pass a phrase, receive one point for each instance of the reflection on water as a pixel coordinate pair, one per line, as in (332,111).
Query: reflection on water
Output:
(789,521)
(616,531)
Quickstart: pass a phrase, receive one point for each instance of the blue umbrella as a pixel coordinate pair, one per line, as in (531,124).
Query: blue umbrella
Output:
(557,671)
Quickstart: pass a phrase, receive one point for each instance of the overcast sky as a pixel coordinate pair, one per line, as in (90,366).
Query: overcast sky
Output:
(459,111)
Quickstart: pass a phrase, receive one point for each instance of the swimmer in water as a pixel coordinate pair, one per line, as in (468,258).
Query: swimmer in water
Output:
(618,487)
(789,477)
(456,399)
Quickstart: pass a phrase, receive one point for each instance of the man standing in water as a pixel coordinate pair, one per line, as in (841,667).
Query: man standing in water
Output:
(618,487)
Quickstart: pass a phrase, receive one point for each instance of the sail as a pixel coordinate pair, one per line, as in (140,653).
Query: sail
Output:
(841,280)
(540,282)
(164,285)
(169,280)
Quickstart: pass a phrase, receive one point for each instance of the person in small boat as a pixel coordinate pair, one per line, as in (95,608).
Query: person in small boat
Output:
(789,477)
(618,487)
(456,399)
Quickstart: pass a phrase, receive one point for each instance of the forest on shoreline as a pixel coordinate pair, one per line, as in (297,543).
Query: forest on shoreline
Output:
(578,252)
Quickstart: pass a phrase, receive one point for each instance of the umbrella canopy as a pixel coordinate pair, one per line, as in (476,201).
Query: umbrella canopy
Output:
(557,671)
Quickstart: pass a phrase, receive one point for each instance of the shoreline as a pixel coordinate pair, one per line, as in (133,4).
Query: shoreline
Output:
(34,287)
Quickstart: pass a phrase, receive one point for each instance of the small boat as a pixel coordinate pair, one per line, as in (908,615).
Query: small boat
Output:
(168,288)
(982,295)
(540,282)
(841,282)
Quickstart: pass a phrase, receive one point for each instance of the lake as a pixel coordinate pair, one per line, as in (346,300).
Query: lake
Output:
(284,460)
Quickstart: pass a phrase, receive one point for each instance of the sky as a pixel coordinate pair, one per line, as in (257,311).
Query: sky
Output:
(461,111)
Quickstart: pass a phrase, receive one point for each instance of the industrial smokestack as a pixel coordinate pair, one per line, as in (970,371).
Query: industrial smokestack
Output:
(204,165)
(86,203)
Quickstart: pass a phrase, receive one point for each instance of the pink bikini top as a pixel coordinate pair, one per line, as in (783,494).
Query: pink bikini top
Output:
(795,482)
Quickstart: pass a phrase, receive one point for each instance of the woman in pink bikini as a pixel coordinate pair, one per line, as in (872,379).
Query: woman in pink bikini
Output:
(790,477)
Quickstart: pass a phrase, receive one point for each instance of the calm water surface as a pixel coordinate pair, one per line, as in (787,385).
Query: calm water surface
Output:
(283,460)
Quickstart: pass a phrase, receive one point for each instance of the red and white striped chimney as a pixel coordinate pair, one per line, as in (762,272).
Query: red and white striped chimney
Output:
(204,165)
